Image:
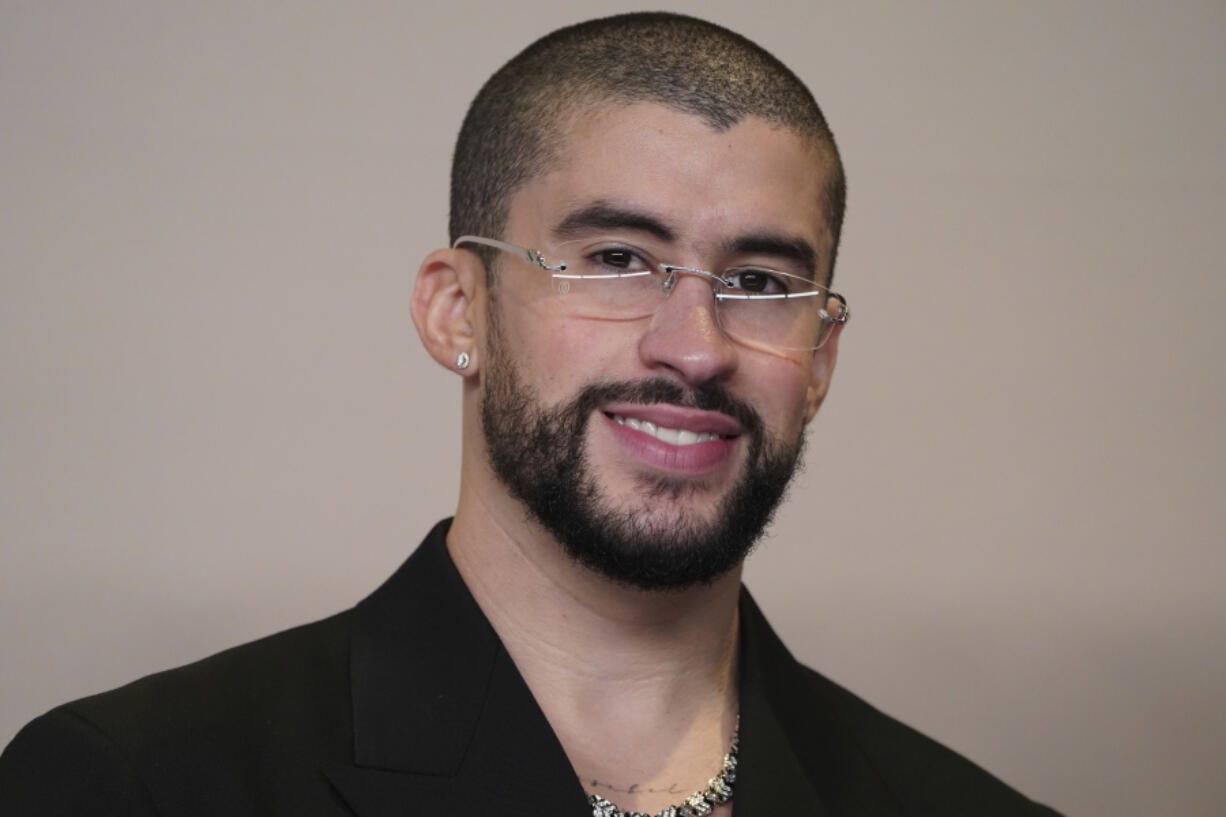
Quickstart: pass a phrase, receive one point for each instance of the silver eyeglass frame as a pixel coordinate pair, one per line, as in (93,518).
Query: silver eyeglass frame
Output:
(533,257)
(537,259)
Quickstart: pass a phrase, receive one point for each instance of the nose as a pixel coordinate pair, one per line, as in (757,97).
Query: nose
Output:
(685,337)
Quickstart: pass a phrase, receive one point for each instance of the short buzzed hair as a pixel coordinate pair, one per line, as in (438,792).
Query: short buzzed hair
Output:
(512,130)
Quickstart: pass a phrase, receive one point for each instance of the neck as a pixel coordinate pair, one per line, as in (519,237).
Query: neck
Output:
(640,686)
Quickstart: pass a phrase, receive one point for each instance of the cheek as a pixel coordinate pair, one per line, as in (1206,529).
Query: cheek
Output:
(779,389)
(559,355)
(586,350)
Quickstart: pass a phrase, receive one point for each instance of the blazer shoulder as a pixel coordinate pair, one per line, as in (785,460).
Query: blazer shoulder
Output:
(924,775)
(188,734)
(60,764)
(286,670)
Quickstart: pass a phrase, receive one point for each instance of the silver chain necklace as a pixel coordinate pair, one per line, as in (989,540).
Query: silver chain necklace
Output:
(699,804)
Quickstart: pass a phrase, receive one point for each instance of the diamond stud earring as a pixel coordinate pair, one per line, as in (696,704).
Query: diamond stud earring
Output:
(461,361)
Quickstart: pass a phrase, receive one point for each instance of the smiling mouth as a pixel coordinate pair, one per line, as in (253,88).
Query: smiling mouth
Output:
(672,436)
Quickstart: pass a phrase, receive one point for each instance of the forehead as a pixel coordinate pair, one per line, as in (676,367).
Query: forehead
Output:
(708,185)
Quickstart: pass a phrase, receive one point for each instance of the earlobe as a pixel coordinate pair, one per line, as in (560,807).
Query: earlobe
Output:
(446,290)
(820,372)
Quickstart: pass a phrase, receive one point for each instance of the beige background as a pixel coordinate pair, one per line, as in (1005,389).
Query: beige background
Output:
(216,421)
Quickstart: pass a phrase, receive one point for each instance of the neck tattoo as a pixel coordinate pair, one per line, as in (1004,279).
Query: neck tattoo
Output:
(698,804)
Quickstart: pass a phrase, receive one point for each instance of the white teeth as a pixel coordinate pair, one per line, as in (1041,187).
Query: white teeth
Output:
(672,436)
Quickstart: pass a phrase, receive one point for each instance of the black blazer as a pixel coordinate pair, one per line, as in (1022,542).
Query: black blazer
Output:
(408,706)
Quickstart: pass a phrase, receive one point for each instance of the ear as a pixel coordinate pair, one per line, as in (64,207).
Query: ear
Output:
(820,371)
(446,304)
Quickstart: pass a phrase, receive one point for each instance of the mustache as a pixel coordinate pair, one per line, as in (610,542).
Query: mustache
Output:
(707,397)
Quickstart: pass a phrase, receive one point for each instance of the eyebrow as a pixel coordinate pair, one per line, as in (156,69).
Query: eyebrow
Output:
(602,215)
(788,248)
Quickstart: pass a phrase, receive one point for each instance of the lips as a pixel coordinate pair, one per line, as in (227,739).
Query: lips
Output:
(674,438)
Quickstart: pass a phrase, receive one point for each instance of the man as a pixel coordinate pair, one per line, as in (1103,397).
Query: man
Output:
(645,215)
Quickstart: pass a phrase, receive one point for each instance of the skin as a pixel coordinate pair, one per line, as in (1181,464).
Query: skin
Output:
(639,686)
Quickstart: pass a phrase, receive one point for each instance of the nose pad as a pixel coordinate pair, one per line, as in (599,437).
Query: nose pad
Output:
(670,281)
(686,334)
(676,276)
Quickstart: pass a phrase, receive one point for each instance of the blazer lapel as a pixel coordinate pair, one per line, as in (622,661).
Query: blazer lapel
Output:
(444,725)
(771,778)
(798,756)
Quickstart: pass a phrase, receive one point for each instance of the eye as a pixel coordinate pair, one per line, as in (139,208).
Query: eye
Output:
(757,281)
(619,258)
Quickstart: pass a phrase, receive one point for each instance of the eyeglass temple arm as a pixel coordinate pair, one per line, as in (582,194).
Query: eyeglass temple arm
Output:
(533,257)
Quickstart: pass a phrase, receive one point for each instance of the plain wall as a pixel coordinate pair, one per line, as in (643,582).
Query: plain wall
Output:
(216,420)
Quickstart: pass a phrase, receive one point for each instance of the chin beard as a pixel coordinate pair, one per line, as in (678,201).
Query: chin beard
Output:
(541,457)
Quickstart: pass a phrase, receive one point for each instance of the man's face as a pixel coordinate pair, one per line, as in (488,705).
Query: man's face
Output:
(654,450)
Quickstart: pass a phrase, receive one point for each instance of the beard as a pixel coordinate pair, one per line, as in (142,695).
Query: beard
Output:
(540,455)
